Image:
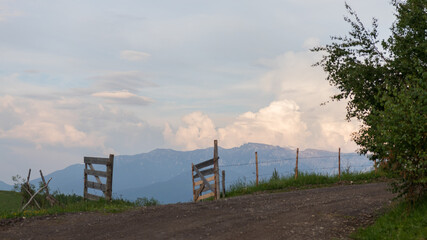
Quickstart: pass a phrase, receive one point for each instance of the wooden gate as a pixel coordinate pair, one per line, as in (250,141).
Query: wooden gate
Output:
(204,183)
(108,174)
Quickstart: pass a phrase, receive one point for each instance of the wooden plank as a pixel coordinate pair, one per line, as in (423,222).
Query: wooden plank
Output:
(204,179)
(96,160)
(201,181)
(212,194)
(204,189)
(206,172)
(198,192)
(96,173)
(92,197)
(93,169)
(205,164)
(95,185)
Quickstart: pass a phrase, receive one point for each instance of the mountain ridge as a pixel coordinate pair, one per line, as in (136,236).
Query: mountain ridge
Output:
(165,174)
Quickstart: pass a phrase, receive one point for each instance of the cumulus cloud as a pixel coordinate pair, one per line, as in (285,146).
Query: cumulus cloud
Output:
(131,55)
(299,122)
(123,97)
(41,124)
(279,123)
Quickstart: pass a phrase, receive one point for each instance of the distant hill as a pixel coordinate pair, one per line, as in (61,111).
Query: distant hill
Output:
(5,187)
(166,174)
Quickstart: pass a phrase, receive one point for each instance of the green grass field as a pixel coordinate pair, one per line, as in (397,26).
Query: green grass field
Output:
(10,201)
(10,205)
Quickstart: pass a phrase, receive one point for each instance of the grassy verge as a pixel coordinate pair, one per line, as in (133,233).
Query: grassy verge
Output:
(10,200)
(69,204)
(304,181)
(400,222)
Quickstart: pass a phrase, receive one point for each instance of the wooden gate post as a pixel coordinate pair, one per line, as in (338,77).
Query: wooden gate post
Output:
(216,170)
(339,163)
(256,162)
(85,183)
(296,165)
(109,192)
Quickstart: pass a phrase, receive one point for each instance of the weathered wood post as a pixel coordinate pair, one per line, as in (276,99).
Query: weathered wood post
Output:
(256,162)
(110,164)
(194,185)
(339,163)
(216,170)
(85,183)
(296,165)
(223,183)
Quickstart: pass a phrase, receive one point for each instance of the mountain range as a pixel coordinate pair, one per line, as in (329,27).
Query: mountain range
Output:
(165,174)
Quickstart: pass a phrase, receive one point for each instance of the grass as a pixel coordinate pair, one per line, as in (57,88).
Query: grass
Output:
(304,181)
(403,221)
(11,204)
(10,200)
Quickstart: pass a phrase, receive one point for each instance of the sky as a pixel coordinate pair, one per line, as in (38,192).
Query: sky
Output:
(90,78)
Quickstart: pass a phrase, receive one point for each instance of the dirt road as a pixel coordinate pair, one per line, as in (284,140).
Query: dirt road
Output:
(322,213)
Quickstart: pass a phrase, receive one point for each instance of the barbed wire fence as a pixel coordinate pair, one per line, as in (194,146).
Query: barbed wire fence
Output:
(292,165)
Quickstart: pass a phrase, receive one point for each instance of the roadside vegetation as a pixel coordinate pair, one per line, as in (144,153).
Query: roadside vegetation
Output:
(304,181)
(384,82)
(403,221)
(11,204)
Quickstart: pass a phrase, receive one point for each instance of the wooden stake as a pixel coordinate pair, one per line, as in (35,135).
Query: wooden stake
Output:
(339,163)
(28,178)
(223,183)
(296,165)
(29,194)
(52,200)
(85,183)
(110,164)
(256,162)
(216,170)
(31,199)
(194,186)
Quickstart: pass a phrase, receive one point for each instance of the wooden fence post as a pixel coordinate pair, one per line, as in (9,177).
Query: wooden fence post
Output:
(339,163)
(85,183)
(256,162)
(216,170)
(194,186)
(296,165)
(109,192)
(223,183)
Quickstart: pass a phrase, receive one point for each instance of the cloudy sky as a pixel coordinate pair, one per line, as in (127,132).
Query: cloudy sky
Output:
(97,77)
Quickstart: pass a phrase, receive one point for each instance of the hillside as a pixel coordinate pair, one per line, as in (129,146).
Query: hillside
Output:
(5,187)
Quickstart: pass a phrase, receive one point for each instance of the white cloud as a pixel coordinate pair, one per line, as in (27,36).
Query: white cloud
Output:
(199,130)
(40,123)
(124,97)
(131,55)
(310,43)
(279,124)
